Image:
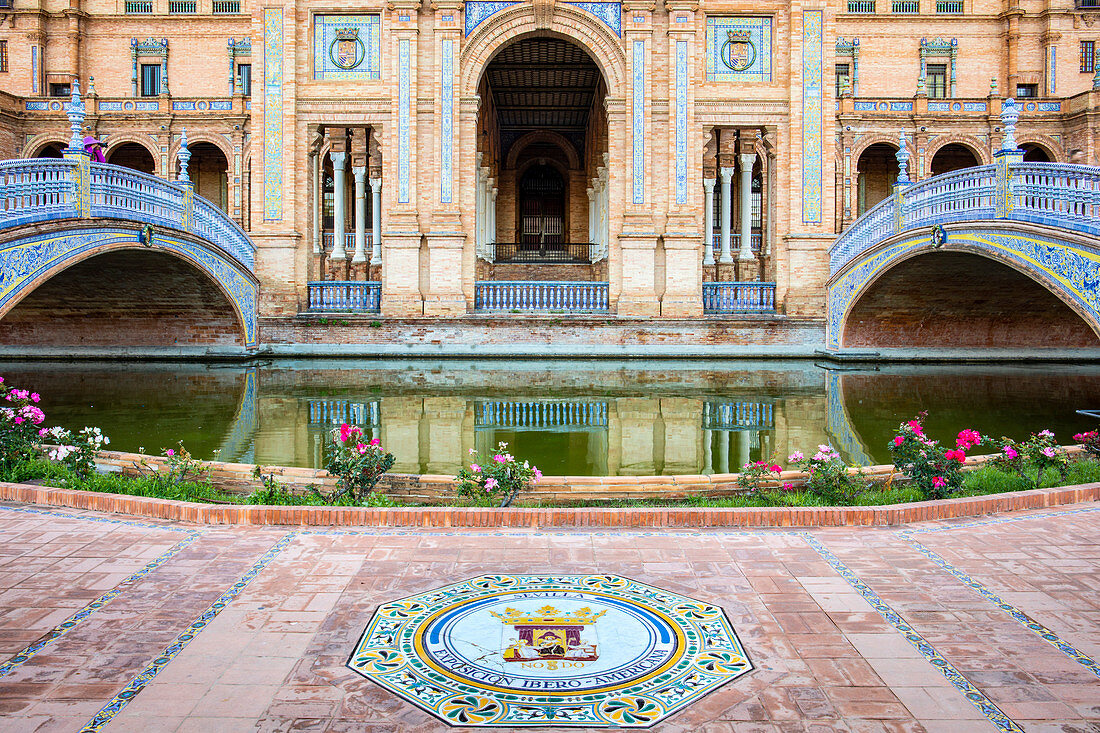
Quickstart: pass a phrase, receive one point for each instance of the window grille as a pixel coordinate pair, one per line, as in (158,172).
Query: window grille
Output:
(1088,57)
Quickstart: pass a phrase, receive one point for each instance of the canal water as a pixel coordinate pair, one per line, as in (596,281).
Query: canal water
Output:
(568,417)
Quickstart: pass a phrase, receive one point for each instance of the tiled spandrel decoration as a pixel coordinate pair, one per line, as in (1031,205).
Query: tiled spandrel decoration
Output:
(739,49)
(346,47)
(562,650)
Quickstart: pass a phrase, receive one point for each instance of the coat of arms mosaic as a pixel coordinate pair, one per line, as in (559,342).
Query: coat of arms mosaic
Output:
(573,650)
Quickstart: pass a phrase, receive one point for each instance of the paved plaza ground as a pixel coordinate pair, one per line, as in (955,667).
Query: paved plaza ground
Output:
(119,624)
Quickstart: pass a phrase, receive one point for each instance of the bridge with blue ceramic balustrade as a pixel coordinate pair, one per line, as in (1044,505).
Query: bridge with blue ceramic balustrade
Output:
(55,213)
(1040,219)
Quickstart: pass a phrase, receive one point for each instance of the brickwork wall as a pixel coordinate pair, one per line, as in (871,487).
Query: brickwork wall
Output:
(957,300)
(127,298)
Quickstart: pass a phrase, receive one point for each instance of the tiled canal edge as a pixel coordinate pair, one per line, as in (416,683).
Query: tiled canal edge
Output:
(1029,623)
(984,705)
(80,616)
(120,700)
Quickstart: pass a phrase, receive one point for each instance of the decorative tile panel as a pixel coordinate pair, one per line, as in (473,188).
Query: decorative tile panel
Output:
(34,70)
(476,11)
(1050,106)
(346,47)
(403,113)
(1052,70)
(446,124)
(37,105)
(975,106)
(221,105)
(273,114)
(147,106)
(681,121)
(865,106)
(812,40)
(901,106)
(637,120)
(183,106)
(939,106)
(739,49)
(550,650)
(110,106)
(610,13)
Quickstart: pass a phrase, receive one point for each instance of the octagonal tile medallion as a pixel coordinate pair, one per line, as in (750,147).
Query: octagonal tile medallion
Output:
(583,650)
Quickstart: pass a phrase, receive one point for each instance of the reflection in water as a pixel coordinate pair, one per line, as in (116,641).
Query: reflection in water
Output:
(579,418)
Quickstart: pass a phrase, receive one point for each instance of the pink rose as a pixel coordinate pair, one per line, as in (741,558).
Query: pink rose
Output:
(499,459)
(1010,452)
(43,433)
(915,426)
(375,441)
(938,482)
(538,475)
(361,447)
(788,486)
(475,468)
(170,452)
(898,439)
(345,432)
(776,469)
(490,483)
(35,397)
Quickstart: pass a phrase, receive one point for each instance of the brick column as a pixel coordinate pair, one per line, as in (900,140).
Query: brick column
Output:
(401,240)
(447,237)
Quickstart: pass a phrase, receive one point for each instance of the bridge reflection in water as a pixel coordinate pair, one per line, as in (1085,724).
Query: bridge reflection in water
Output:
(594,418)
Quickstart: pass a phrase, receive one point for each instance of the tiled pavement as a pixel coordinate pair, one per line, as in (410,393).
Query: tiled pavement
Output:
(855,629)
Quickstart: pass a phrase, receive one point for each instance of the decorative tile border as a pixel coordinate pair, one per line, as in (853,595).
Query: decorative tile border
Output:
(1052,69)
(136,685)
(986,706)
(34,70)
(359,34)
(403,113)
(446,122)
(477,11)
(273,114)
(812,117)
(637,120)
(611,13)
(80,616)
(1031,624)
(681,121)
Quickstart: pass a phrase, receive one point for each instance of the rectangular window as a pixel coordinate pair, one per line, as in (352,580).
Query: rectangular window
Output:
(843,79)
(949,6)
(861,6)
(936,80)
(60,90)
(150,80)
(244,78)
(906,7)
(1088,57)
(1027,90)
(3,56)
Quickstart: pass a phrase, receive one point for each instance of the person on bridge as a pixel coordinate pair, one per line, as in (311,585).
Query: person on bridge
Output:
(95,149)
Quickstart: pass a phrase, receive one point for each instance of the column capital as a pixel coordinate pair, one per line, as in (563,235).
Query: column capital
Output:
(727,174)
(338,157)
(376,183)
(747,160)
(708,183)
(360,172)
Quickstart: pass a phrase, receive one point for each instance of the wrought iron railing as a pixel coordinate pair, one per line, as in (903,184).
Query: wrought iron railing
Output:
(40,189)
(949,6)
(139,7)
(182,6)
(567,297)
(739,297)
(344,295)
(1057,194)
(907,7)
(559,252)
(861,6)
(226,6)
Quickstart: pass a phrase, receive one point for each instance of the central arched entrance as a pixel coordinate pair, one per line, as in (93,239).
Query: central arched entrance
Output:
(542,139)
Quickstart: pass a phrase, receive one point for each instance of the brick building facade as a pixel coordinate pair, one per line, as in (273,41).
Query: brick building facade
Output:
(654,146)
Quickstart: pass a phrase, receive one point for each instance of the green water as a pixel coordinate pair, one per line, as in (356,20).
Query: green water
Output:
(567,417)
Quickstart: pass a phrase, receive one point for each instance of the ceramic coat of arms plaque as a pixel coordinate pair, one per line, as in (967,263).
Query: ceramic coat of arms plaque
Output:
(581,650)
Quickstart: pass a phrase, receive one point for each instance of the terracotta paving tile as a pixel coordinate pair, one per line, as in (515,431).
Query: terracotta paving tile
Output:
(273,659)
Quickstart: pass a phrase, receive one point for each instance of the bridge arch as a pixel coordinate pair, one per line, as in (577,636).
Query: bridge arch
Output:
(1044,287)
(31,260)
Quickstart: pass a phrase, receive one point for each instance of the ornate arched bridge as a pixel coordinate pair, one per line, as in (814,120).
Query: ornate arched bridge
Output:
(997,232)
(57,213)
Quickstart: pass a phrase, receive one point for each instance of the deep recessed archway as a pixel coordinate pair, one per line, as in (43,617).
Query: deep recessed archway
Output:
(124,297)
(51,150)
(877,170)
(953,157)
(208,169)
(962,300)
(1036,153)
(134,156)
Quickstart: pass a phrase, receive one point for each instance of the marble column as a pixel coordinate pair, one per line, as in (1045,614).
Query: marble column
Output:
(338,200)
(376,221)
(726,256)
(747,160)
(360,255)
(708,221)
(315,183)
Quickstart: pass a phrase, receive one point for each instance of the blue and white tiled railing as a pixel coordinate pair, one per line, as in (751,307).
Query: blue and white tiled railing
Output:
(568,297)
(739,297)
(44,189)
(345,295)
(542,414)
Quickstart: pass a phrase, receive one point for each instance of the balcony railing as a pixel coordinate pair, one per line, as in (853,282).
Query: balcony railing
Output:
(333,412)
(906,7)
(349,240)
(739,297)
(947,7)
(226,7)
(738,416)
(344,295)
(861,6)
(560,252)
(182,6)
(567,297)
(540,415)
(139,7)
